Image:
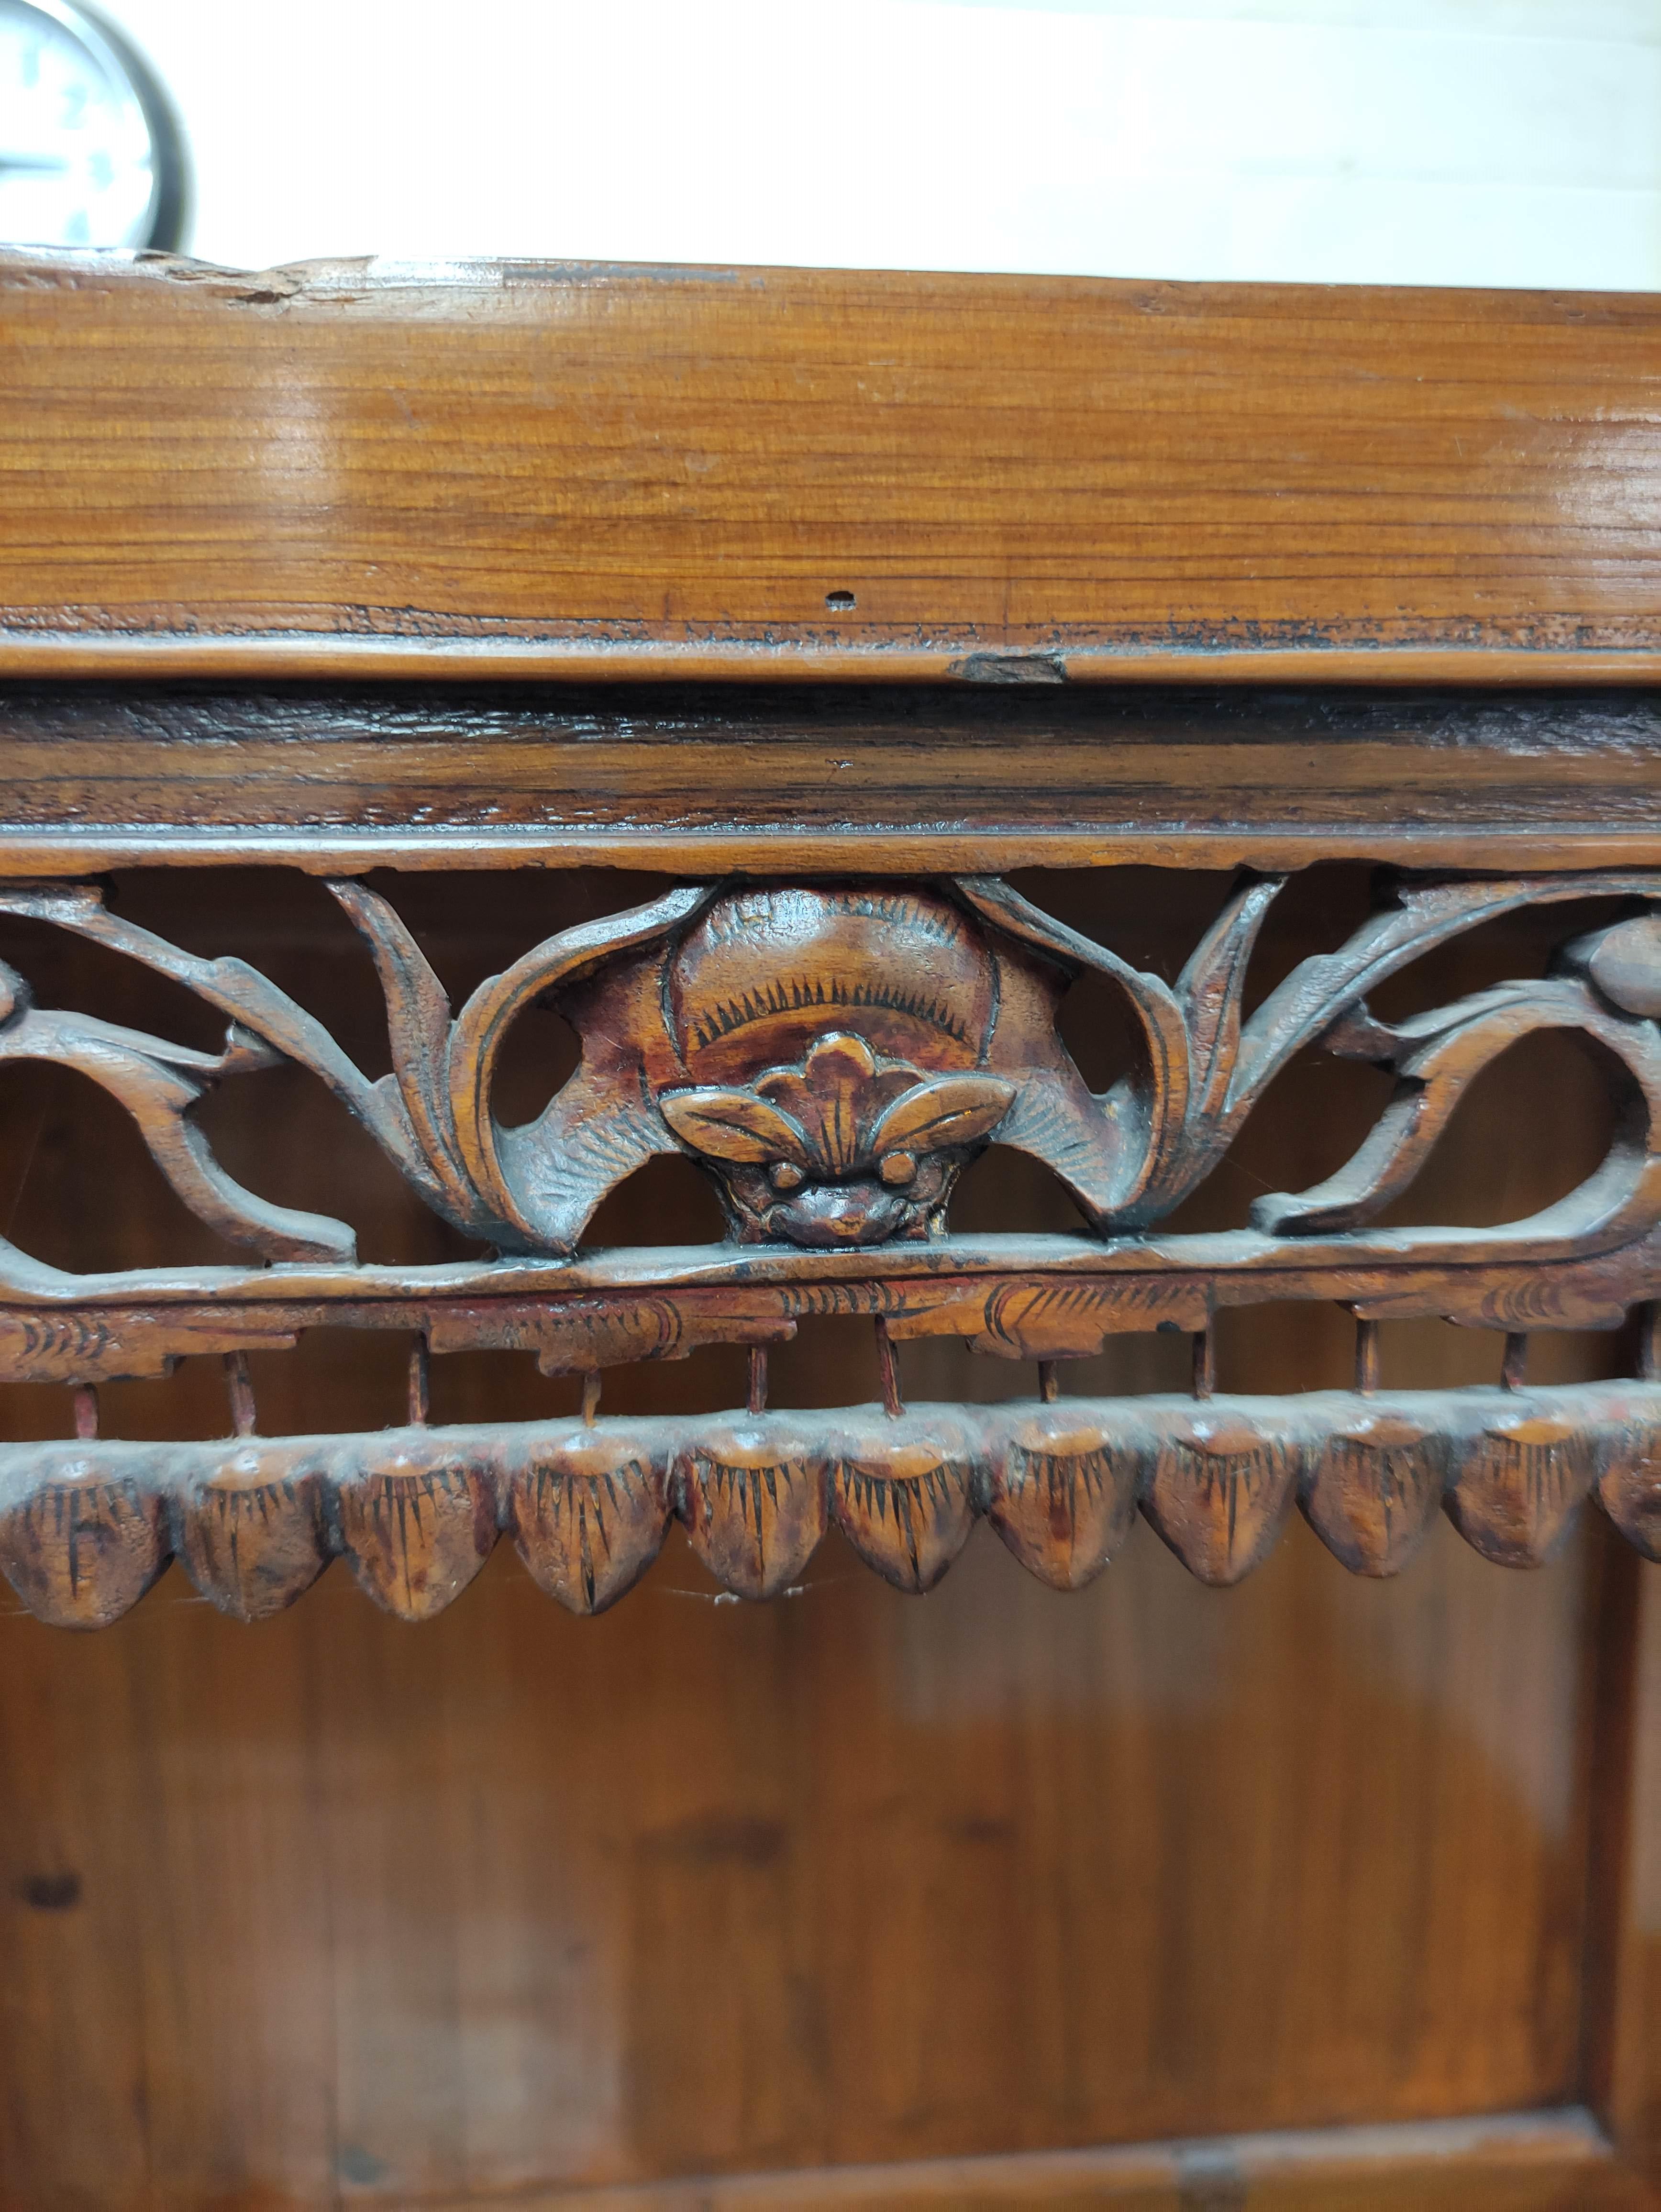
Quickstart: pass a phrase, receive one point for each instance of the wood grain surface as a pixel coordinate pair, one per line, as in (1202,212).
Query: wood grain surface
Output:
(573,470)
(333,1903)
(818,777)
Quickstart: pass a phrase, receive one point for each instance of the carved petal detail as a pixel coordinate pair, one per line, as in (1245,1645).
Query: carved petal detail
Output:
(735,1125)
(828,1096)
(951,1110)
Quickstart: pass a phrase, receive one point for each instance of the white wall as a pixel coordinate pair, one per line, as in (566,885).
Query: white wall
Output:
(1457,142)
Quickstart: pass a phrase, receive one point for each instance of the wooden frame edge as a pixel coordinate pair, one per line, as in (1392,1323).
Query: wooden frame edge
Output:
(1504,2158)
(256,656)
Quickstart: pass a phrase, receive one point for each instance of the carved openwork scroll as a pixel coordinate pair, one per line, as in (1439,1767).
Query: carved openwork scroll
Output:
(831,1055)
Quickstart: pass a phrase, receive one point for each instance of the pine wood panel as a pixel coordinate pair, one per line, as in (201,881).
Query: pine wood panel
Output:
(520,1899)
(562,470)
(1624,2015)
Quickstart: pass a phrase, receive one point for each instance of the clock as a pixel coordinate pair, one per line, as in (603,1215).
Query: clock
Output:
(90,153)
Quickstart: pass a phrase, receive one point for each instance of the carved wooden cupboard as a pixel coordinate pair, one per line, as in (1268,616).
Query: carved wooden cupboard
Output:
(954,980)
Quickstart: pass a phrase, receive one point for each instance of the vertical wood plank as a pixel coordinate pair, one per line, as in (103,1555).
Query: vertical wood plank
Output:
(1623,1990)
(76,1865)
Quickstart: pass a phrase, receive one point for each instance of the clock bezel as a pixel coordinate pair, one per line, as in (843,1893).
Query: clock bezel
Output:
(115,53)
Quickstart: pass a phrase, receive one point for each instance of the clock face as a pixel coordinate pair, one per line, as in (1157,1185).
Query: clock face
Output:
(89,154)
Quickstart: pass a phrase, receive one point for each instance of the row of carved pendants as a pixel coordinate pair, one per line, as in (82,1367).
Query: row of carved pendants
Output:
(85,1528)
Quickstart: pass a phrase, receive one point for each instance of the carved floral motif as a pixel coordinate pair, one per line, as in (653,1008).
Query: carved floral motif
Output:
(843,1149)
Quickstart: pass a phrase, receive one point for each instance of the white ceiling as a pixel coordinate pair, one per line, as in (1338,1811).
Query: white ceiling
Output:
(1457,142)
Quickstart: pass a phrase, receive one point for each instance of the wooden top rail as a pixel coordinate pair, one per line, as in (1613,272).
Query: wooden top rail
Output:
(357,468)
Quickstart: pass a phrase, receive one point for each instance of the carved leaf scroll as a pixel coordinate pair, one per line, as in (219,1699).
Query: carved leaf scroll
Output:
(834,1054)
(1437,1057)
(159,1084)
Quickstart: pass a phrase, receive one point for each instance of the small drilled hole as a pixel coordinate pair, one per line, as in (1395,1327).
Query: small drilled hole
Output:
(840,602)
(49,1893)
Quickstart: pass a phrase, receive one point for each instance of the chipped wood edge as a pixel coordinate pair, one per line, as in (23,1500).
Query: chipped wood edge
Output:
(253,655)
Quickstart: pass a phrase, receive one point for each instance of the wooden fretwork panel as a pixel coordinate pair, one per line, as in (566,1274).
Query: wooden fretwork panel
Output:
(831,1055)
